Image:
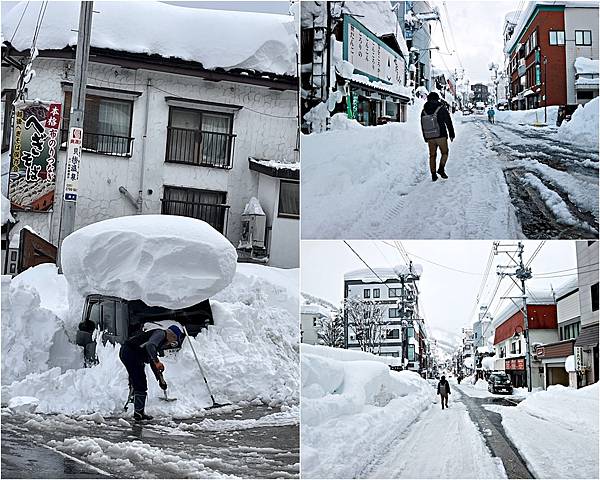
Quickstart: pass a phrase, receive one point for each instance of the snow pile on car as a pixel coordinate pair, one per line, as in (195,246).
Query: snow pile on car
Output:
(34,339)
(342,398)
(214,38)
(163,260)
(582,129)
(569,420)
(250,354)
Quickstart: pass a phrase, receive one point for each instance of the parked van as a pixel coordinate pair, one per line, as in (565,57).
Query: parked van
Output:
(116,320)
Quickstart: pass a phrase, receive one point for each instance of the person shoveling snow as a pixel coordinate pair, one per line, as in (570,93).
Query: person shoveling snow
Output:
(144,348)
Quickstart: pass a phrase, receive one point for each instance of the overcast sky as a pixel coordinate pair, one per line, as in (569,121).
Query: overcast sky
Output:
(477,28)
(447,296)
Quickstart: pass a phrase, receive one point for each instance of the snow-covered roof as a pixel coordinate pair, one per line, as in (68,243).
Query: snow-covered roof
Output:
(215,38)
(533,298)
(529,9)
(314,309)
(383,273)
(386,87)
(379,18)
(586,65)
(485,349)
(587,81)
(567,287)
(511,17)
(253,208)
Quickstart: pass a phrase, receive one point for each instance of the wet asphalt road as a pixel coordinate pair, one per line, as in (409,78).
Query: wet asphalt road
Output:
(161,449)
(525,144)
(490,426)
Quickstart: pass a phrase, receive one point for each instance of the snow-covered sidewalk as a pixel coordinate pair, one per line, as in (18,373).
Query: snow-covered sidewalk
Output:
(441,444)
(374,182)
(556,431)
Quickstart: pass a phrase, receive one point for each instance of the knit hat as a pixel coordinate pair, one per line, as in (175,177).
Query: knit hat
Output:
(178,333)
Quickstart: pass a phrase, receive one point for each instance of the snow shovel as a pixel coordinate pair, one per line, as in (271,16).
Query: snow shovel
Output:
(214,403)
(163,385)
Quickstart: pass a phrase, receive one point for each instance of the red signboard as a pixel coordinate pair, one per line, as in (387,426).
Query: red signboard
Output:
(520,364)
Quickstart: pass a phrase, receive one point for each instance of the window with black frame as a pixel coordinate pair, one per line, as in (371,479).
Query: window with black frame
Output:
(289,199)
(200,138)
(106,125)
(206,205)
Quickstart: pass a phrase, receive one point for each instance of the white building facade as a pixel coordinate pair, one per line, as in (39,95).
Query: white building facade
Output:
(165,135)
(311,318)
(581,40)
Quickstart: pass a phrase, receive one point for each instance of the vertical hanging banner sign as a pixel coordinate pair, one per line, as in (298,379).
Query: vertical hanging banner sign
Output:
(33,155)
(73,162)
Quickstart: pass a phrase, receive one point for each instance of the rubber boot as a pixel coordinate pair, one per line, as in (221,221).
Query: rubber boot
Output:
(434,177)
(442,173)
(140,416)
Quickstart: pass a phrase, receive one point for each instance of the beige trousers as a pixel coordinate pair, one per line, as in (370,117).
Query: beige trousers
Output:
(433,145)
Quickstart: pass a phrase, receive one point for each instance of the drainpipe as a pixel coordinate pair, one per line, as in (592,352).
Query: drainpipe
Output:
(143,159)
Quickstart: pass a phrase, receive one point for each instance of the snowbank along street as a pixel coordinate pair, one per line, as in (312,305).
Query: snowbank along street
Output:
(506,180)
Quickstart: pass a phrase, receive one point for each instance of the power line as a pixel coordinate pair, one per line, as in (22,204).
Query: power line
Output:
(19,24)
(445,266)
(568,269)
(452,35)
(362,260)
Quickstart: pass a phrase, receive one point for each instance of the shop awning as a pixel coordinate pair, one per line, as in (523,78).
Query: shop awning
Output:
(588,336)
(380,87)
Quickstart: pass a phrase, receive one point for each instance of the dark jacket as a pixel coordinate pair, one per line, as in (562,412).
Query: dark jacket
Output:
(443,382)
(148,344)
(443,118)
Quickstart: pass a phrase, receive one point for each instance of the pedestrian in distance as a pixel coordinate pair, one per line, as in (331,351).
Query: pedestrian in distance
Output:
(443,390)
(144,348)
(436,126)
(491,114)
(459,378)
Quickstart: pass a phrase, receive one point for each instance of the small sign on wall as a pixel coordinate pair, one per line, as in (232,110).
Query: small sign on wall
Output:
(73,163)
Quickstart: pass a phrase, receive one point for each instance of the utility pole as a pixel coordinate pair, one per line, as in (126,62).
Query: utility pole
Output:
(75,141)
(521,273)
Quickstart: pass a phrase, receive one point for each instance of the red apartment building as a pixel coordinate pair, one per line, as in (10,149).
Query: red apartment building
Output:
(537,60)
(510,344)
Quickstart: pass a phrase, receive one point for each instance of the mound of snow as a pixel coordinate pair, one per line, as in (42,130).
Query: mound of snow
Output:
(344,398)
(163,260)
(528,117)
(556,423)
(34,338)
(583,127)
(6,216)
(249,354)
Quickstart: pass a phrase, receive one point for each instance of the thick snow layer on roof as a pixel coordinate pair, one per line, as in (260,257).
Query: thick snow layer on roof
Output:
(164,260)
(314,309)
(586,65)
(379,18)
(6,216)
(512,16)
(386,87)
(382,273)
(253,207)
(567,287)
(530,7)
(250,354)
(215,38)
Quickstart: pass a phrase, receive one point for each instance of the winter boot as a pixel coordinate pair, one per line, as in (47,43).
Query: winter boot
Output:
(434,177)
(442,173)
(140,416)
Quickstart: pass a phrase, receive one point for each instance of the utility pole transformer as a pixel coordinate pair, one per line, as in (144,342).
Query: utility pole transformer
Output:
(75,142)
(522,273)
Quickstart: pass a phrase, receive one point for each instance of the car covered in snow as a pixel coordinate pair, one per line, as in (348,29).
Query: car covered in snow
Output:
(499,382)
(115,320)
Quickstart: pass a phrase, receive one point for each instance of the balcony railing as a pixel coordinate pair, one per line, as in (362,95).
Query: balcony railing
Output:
(214,215)
(102,143)
(199,147)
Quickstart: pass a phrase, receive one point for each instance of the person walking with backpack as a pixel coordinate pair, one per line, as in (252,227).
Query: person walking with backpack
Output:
(436,126)
(443,390)
(491,114)
(144,347)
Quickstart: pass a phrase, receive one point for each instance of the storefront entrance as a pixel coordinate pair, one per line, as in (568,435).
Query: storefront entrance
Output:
(556,375)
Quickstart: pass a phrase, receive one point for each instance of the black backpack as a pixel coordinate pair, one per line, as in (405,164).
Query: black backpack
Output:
(430,125)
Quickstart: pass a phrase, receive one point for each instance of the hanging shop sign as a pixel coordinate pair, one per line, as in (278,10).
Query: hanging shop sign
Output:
(33,155)
(73,163)
(370,55)
(579,365)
